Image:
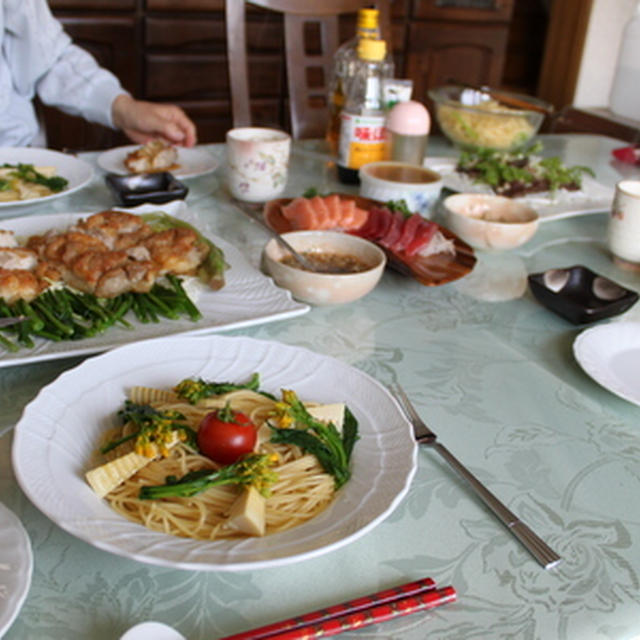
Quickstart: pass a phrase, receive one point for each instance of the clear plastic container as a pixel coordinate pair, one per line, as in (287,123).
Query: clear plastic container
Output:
(625,92)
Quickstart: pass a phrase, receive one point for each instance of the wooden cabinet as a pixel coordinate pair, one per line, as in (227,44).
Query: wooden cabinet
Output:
(457,41)
(175,51)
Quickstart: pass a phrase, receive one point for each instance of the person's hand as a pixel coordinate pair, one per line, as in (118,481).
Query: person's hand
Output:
(143,121)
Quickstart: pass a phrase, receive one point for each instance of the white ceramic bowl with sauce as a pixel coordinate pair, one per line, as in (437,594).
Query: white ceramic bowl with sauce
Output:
(325,288)
(418,186)
(487,221)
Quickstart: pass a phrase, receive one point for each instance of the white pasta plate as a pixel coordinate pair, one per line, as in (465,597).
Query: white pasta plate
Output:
(59,430)
(76,171)
(610,354)
(248,297)
(193,161)
(16,566)
(594,197)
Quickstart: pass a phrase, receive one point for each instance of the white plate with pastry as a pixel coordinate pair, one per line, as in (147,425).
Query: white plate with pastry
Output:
(190,162)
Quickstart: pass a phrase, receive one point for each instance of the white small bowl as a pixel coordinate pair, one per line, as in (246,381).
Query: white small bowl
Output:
(324,288)
(486,221)
(418,186)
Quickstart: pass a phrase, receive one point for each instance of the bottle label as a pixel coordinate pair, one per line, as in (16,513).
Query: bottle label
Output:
(363,139)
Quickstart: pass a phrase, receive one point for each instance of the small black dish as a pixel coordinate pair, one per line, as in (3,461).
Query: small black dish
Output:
(580,295)
(135,189)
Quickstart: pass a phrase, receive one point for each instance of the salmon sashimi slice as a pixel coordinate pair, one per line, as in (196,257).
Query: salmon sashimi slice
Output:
(334,205)
(324,217)
(348,208)
(300,214)
(360,217)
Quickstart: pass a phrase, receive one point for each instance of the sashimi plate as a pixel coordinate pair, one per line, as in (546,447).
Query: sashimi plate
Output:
(433,270)
(57,435)
(248,297)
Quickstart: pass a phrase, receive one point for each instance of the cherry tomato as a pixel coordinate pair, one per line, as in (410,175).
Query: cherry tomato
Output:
(226,435)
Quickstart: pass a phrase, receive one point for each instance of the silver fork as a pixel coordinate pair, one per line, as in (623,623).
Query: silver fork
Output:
(546,556)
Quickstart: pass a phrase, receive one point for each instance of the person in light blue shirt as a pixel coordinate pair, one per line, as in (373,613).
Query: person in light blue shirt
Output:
(38,58)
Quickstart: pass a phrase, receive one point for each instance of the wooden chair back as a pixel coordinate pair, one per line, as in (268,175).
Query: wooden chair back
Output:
(308,74)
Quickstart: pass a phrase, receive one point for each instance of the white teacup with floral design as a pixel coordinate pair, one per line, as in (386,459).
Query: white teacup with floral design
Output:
(623,233)
(257,163)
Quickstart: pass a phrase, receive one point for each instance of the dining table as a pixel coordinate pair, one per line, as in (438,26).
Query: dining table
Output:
(489,368)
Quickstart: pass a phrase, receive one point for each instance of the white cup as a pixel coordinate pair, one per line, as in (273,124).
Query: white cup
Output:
(623,233)
(257,163)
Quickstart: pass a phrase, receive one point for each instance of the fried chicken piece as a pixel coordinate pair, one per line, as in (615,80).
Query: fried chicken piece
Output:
(132,276)
(116,229)
(156,155)
(176,251)
(18,258)
(7,238)
(109,273)
(65,247)
(17,284)
(48,272)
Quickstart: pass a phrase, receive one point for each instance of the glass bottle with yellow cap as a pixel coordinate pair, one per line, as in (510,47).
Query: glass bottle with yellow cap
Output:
(344,64)
(362,126)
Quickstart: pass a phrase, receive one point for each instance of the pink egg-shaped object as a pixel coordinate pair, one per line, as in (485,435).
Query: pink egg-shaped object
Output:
(409,118)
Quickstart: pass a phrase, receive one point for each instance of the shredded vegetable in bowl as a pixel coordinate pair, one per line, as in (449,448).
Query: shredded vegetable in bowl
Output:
(483,122)
(487,125)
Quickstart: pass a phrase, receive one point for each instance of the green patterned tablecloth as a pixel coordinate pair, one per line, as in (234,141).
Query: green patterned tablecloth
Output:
(492,372)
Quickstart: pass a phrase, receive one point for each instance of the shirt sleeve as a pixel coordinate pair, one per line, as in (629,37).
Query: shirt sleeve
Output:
(42,60)
(77,85)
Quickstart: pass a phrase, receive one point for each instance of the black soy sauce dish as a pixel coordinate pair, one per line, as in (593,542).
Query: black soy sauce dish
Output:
(580,295)
(139,188)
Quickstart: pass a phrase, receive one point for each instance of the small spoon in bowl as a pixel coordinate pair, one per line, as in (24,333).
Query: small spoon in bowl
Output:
(299,258)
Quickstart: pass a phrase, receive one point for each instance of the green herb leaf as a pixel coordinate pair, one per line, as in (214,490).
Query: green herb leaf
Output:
(254,470)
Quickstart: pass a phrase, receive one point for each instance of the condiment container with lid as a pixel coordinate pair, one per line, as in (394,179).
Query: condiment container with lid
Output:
(408,126)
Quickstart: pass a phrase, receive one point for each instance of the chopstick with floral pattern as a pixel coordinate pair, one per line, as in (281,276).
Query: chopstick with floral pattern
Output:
(353,614)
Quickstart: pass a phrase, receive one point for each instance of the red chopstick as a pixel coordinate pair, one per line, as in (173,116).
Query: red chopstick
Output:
(376,607)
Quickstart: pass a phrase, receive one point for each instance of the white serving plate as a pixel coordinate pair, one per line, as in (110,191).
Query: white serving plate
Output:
(248,298)
(58,432)
(610,354)
(76,171)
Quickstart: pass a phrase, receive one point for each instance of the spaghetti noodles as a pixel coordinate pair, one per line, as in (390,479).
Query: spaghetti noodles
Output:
(301,491)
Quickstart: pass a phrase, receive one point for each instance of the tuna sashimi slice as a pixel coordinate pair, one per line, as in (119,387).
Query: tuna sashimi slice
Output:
(385,220)
(394,231)
(424,233)
(411,225)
